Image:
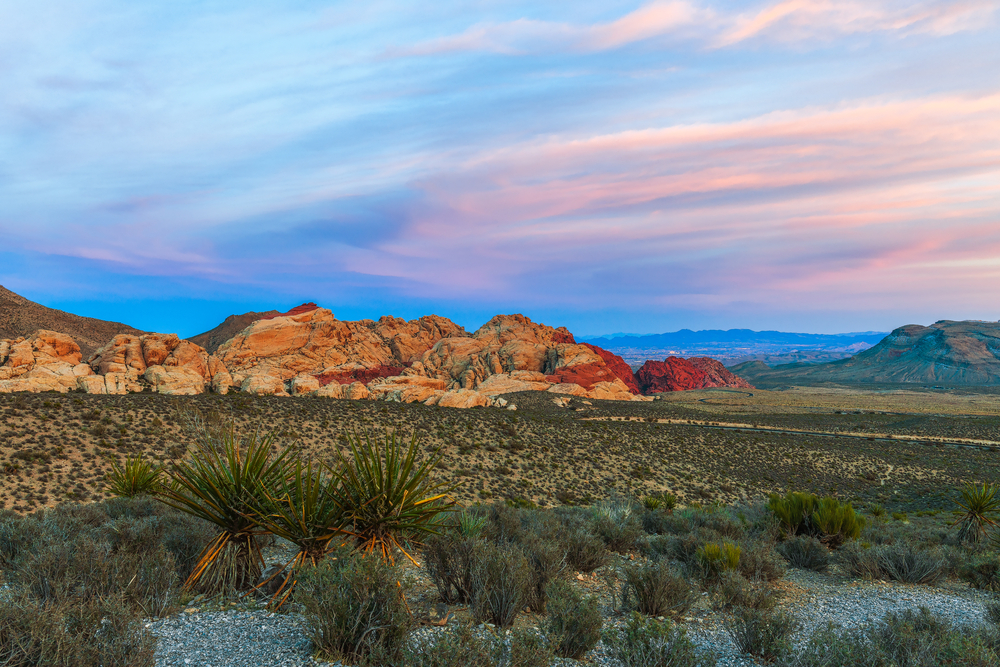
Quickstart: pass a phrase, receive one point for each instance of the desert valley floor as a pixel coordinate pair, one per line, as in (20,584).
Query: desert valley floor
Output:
(904,447)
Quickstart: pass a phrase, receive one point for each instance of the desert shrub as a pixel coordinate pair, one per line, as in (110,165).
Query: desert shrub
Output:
(547,559)
(827,518)
(79,553)
(585,552)
(733,590)
(502,582)
(715,558)
(99,632)
(449,559)
(761,632)
(353,608)
(655,589)
(805,552)
(616,523)
(759,561)
(899,562)
(982,571)
(646,642)
(573,622)
(911,638)
(466,646)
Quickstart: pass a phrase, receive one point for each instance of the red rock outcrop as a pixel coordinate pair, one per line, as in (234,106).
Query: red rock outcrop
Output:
(717,375)
(676,374)
(618,366)
(297,310)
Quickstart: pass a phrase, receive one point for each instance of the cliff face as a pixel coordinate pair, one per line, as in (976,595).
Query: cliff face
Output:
(212,339)
(676,374)
(946,352)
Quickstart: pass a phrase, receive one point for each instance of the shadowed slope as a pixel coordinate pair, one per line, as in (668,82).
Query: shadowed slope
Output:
(21,317)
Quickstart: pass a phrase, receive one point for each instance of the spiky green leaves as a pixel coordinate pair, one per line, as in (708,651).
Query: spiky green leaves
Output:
(134,477)
(980,506)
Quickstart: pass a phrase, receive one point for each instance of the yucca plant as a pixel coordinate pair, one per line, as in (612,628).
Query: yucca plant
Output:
(222,483)
(386,495)
(135,477)
(302,508)
(980,505)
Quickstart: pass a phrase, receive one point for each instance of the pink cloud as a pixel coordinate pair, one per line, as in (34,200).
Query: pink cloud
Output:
(786,21)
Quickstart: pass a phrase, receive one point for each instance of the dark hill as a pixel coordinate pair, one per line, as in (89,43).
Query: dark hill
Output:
(21,317)
(947,352)
(232,325)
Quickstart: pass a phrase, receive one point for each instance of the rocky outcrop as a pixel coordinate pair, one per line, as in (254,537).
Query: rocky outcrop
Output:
(163,362)
(676,374)
(45,361)
(618,366)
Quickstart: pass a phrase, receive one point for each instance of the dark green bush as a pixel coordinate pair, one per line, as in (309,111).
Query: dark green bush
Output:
(616,523)
(646,642)
(353,608)
(899,562)
(909,639)
(502,582)
(449,559)
(95,632)
(547,559)
(585,552)
(761,632)
(466,646)
(827,518)
(655,589)
(733,590)
(805,552)
(759,561)
(982,571)
(573,622)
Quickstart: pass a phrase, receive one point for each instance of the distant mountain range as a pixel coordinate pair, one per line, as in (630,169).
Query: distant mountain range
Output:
(737,345)
(947,353)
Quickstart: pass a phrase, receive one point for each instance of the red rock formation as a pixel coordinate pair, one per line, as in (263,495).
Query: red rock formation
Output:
(585,375)
(618,366)
(717,375)
(297,310)
(676,374)
(672,374)
(363,375)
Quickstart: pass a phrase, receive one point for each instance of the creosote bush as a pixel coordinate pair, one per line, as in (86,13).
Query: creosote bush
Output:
(805,552)
(656,589)
(574,622)
(911,638)
(354,608)
(761,632)
(502,582)
(646,642)
(900,561)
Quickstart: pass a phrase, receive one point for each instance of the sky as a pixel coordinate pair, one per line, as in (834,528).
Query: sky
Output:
(800,165)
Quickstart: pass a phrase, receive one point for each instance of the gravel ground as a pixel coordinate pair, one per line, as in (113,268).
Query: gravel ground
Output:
(257,637)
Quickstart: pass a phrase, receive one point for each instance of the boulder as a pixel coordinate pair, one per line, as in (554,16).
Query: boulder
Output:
(262,384)
(507,383)
(302,385)
(462,398)
(91,384)
(221,382)
(175,380)
(335,390)
(610,391)
(53,346)
(356,391)
(567,388)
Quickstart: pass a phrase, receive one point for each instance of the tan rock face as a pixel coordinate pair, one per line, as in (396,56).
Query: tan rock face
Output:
(45,361)
(263,385)
(463,398)
(180,366)
(303,384)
